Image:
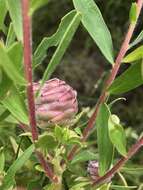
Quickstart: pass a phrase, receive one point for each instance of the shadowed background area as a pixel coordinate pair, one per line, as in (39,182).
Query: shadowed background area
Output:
(83,65)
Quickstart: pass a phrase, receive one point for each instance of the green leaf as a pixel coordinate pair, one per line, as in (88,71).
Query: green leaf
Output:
(133,170)
(10,36)
(94,23)
(54,40)
(84,156)
(3,11)
(15,53)
(15,104)
(2,160)
(9,67)
(127,81)
(14,7)
(105,187)
(15,167)
(5,85)
(64,43)
(134,55)
(133,13)
(105,146)
(46,142)
(137,40)
(36,4)
(118,187)
(117,134)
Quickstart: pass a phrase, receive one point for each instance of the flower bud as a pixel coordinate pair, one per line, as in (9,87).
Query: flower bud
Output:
(92,169)
(57,103)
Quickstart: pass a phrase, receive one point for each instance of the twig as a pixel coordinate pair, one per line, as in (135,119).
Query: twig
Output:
(28,67)
(30,94)
(113,73)
(120,163)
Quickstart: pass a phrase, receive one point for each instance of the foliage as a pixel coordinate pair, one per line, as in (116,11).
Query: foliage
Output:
(21,159)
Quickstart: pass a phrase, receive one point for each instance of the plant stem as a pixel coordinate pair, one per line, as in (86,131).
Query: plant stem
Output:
(46,167)
(120,163)
(113,73)
(27,40)
(28,67)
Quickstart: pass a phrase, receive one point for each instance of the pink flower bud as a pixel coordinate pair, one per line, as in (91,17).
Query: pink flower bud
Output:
(92,169)
(57,103)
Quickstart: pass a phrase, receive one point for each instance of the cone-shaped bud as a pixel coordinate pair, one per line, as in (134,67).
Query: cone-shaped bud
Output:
(56,104)
(92,169)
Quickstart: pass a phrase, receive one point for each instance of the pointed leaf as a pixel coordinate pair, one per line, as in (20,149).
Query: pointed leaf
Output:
(54,40)
(14,7)
(117,134)
(3,11)
(15,167)
(104,144)
(15,104)
(10,36)
(134,55)
(9,67)
(127,81)
(36,4)
(93,21)
(63,45)
(137,40)
(84,156)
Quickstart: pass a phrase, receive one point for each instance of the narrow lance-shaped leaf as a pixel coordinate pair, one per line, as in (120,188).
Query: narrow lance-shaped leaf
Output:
(15,104)
(9,67)
(127,81)
(9,178)
(64,43)
(36,4)
(14,7)
(134,55)
(2,160)
(104,144)
(3,11)
(94,23)
(54,40)
(10,36)
(137,40)
(117,134)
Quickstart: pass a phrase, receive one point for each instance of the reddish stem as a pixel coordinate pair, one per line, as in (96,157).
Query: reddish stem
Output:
(28,67)
(113,73)
(30,94)
(120,163)
(46,167)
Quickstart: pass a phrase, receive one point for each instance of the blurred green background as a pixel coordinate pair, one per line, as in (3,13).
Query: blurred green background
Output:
(83,65)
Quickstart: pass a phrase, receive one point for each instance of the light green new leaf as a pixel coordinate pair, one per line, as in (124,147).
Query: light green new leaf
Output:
(105,146)
(16,166)
(117,134)
(133,13)
(134,55)
(127,81)
(36,4)
(9,67)
(54,40)
(63,45)
(118,187)
(10,36)
(94,23)
(3,11)
(84,156)
(14,7)
(15,104)
(137,40)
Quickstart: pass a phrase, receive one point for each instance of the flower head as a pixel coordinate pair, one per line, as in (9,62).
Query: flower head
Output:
(57,103)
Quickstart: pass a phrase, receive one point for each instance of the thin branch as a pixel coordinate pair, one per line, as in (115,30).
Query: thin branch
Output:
(113,73)
(28,67)
(30,94)
(120,163)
